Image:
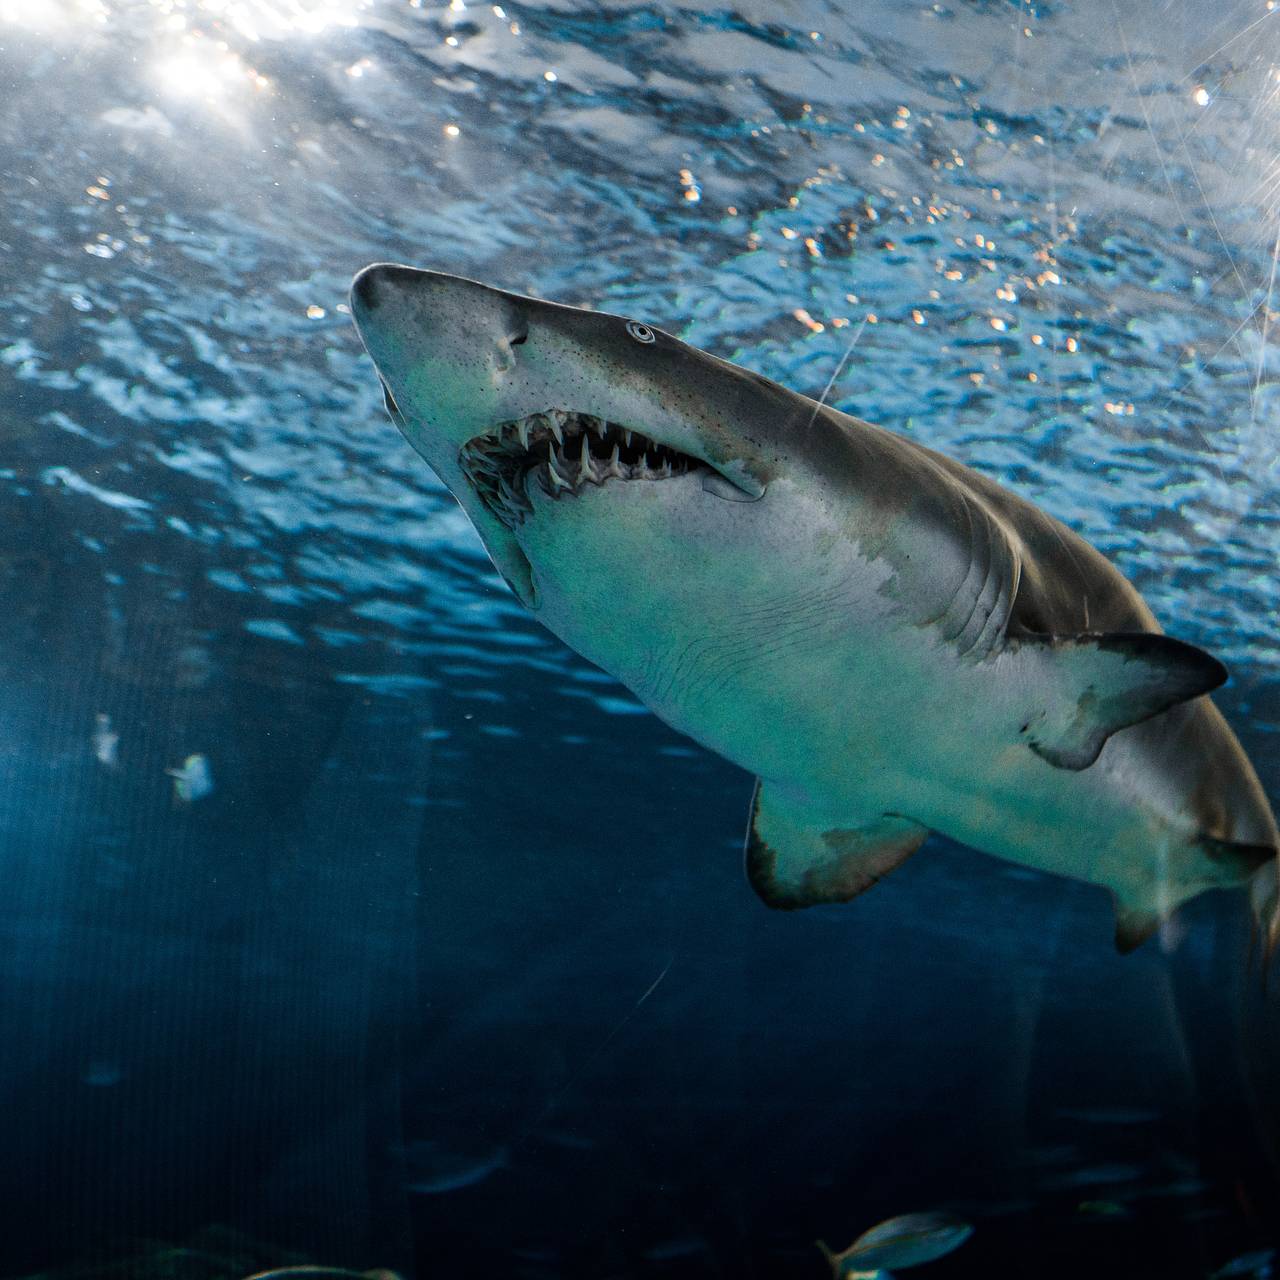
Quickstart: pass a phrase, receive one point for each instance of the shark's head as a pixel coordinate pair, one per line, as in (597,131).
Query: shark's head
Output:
(543,418)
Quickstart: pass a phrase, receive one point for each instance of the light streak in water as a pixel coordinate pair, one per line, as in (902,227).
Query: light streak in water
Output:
(252,19)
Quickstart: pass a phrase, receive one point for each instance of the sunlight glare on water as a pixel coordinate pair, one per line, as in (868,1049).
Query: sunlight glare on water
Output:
(252,19)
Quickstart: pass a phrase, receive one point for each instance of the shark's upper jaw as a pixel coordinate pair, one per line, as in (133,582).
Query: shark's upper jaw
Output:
(562,452)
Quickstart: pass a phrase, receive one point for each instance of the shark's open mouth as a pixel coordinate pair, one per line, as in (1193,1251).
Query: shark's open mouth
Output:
(562,452)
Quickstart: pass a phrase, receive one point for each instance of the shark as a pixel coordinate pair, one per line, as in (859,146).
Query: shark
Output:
(891,642)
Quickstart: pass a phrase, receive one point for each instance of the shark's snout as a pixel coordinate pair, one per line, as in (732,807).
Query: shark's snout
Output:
(433,294)
(371,286)
(404,311)
(587,402)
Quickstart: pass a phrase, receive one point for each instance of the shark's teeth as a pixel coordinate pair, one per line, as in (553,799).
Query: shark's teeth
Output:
(563,452)
(615,463)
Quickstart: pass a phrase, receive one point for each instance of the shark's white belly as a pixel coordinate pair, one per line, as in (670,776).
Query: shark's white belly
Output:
(805,673)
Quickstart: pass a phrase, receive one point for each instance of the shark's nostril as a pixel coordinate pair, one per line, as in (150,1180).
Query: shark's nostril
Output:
(515,335)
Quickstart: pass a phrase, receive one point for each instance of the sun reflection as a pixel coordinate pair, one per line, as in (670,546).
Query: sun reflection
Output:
(189,53)
(189,76)
(49,15)
(252,19)
(270,19)
(205,69)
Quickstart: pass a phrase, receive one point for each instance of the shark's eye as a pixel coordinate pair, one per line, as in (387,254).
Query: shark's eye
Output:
(640,332)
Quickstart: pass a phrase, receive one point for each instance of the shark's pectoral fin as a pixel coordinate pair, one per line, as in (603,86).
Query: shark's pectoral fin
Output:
(794,862)
(1081,689)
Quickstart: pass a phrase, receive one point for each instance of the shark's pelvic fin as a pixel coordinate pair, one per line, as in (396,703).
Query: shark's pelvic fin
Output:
(1081,689)
(1230,863)
(1134,925)
(1264,897)
(793,862)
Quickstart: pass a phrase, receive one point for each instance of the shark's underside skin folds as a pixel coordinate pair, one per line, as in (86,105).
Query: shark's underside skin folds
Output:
(891,642)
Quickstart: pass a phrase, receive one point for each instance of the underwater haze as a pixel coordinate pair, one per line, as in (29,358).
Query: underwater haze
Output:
(349,917)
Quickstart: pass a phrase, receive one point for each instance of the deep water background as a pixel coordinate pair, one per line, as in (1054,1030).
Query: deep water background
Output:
(455,969)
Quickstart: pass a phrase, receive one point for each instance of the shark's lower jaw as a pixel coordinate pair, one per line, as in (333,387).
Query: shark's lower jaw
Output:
(561,452)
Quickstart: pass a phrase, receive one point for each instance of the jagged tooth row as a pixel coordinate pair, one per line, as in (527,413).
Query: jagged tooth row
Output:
(488,464)
(497,464)
(568,469)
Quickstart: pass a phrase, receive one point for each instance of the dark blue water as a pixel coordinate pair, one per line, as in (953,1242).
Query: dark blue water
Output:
(439,956)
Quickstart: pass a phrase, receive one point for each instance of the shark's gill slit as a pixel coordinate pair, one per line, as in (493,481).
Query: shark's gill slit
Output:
(561,452)
(389,400)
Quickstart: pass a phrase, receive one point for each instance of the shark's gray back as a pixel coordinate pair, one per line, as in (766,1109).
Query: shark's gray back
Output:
(1064,585)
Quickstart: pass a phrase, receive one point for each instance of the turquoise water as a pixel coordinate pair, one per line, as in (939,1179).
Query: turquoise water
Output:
(349,910)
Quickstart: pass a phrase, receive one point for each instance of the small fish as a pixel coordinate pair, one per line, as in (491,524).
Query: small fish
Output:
(105,740)
(1257,1264)
(672,1250)
(905,1241)
(437,1168)
(194,780)
(1102,1209)
(148,120)
(102,1073)
(1183,1188)
(1095,1176)
(309,1271)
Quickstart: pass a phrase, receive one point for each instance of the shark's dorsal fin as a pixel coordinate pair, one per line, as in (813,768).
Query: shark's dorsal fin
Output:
(1081,689)
(793,861)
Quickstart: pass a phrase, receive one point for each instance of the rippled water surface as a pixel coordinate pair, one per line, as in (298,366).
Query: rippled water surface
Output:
(349,913)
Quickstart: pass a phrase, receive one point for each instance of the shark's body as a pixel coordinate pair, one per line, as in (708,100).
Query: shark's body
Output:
(893,643)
